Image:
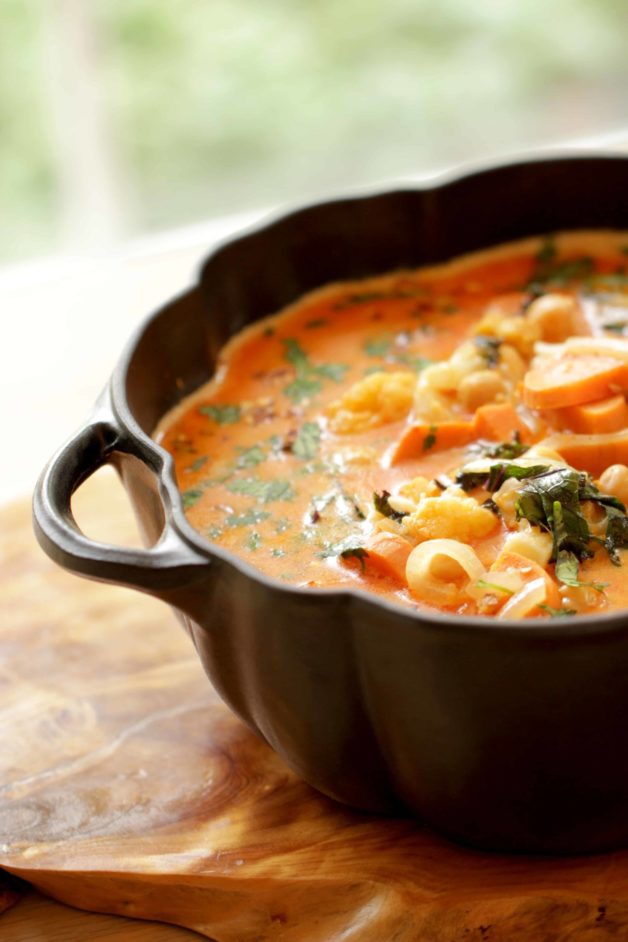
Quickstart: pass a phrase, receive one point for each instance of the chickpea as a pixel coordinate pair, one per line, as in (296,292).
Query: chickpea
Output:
(555,316)
(615,481)
(481,387)
(511,363)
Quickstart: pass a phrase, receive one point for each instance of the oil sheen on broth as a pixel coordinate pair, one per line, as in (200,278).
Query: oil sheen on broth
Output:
(453,438)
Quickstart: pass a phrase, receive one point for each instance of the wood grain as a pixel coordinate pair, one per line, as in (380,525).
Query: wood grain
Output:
(127,787)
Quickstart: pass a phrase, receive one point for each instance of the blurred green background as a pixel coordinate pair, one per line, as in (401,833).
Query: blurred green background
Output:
(125,116)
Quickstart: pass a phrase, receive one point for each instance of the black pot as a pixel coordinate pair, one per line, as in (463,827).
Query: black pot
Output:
(504,735)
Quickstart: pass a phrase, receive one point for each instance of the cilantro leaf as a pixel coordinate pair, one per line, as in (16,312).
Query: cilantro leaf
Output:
(223,414)
(250,457)
(306,444)
(264,491)
(307,382)
(191,496)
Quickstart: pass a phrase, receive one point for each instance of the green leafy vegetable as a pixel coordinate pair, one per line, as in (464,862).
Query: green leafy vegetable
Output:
(223,414)
(357,552)
(549,270)
(308,379)
(247,519)
(493,479)
(382,505)
(377,346)
(553,501)
(493,587)
(507,450)
(306,444)
(191,496)
(250,457)
(430,439)
(254,541)
(557,612)
(198,464)
(264,491)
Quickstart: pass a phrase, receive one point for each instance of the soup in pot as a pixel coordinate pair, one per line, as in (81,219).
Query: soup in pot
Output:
(453,438)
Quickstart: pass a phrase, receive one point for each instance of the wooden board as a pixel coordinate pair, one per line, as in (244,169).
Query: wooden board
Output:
(127,787)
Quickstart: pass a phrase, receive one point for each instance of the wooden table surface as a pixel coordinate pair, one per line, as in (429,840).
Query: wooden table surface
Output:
(126,787)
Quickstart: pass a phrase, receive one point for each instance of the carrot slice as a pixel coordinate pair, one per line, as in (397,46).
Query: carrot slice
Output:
(592,453)
(589,418)
(498,420)
(420,439)
(528,570)
(572,380)
(388,553)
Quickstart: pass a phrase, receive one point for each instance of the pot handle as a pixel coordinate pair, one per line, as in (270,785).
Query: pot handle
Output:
(170,564)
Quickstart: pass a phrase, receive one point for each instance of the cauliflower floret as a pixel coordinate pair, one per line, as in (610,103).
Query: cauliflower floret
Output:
(417,488)
(530,542)
(449,517)
(375,400)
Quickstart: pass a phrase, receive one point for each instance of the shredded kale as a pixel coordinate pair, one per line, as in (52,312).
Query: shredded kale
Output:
(382,505)
(493,479)
(507,450)
(552,501)
(357,552)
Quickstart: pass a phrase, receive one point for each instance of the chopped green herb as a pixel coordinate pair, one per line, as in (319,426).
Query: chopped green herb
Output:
(247,519)
(305,445)
(265,491)
(378,346)
(549,271)
(493,586)
(558,612)
(430,439)
(618,327)
(250,457)
(356,552)
(282,525)
(412,361)
(254,541)
(493,479)
(191,496)
(381,503)
(553,500)
(307,382)
(278,553)
(269,331)
(316,322)
(508,450)
(198,464)
(223,414)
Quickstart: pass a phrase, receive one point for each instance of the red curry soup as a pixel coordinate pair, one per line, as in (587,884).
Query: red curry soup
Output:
(454,438)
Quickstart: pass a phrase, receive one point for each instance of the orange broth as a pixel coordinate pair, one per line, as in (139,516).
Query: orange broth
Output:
(263,475)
